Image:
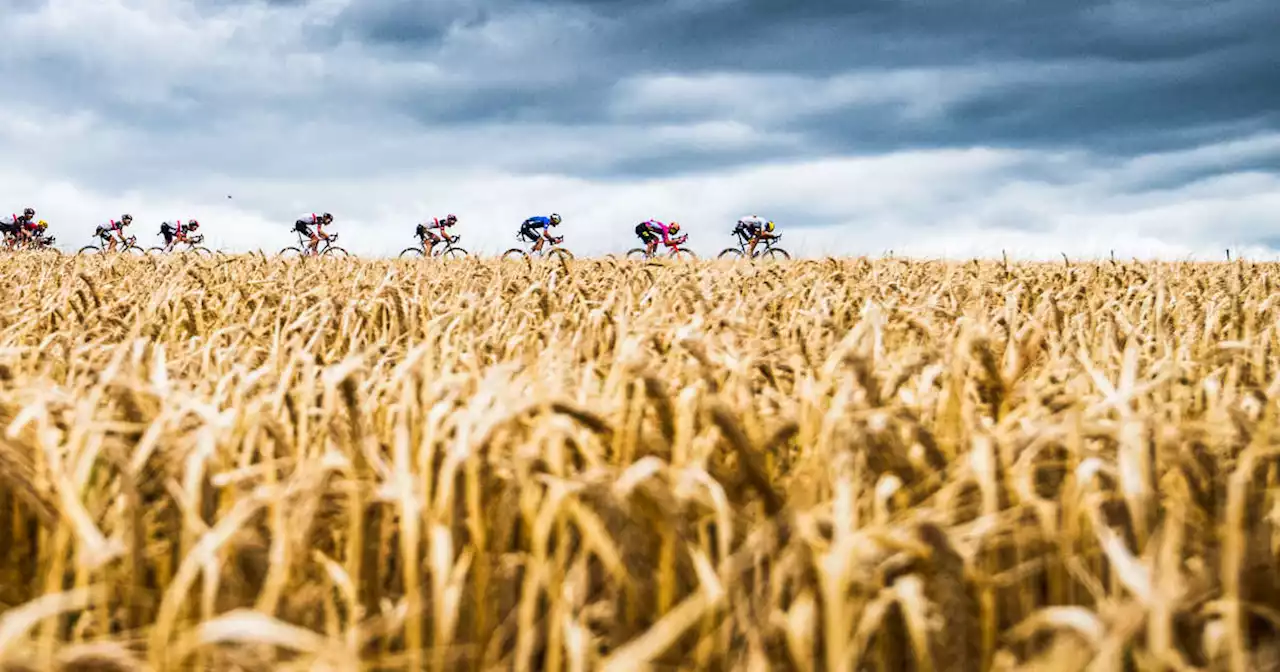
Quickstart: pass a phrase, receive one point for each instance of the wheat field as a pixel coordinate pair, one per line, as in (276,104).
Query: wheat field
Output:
(246,463)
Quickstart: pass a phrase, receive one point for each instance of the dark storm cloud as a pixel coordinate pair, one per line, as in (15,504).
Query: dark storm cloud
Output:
(834,77)
(1119,76)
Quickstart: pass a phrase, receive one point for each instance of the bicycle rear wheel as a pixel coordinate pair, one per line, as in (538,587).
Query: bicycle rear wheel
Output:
(291,252)
(89,249)
(411,252)
(155,250)
(515,253)
(637,253)
(730,253)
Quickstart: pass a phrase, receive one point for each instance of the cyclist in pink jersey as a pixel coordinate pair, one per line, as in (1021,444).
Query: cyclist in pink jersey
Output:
(650,231)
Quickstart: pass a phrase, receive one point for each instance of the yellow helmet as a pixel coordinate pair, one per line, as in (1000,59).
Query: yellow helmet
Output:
(769,227)
(674,227)
(42,224)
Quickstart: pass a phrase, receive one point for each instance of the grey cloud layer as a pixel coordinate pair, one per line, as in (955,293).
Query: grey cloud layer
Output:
(159,93)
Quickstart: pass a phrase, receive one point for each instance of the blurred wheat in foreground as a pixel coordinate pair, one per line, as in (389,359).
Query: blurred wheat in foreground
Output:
(243,463)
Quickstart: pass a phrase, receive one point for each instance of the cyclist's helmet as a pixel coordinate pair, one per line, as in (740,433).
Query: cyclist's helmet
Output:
(769,227)
(42,225)
(555,220)
(674,227)
(451,220)
(126,219)
(29,212)
(327,217)
(193,225)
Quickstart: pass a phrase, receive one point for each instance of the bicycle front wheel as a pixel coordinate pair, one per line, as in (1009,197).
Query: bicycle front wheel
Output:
(454,253)
(134,250)
(335,251)
(560,253)
(683,255)
(730,253)
(411,252)
(776,253)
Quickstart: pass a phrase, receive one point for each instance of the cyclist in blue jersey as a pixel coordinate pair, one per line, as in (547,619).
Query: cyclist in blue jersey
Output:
(538,230)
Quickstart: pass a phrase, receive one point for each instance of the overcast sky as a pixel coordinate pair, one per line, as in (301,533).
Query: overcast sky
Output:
(926,127)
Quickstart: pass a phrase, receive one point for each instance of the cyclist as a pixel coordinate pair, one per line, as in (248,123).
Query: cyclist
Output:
(304,224)
(649,231)
(176,232)
(424,230)
(16,226)
(538,230)
(115,227)
(39,235)
(756,228)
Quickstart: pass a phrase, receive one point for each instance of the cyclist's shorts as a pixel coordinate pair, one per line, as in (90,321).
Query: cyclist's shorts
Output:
(531,234)
(645,233)
(301,227)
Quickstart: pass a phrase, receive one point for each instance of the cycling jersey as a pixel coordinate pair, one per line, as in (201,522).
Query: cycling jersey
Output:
(537,222)
(111,226)
(655,227)
(311,219)
(753,222)
(172,230)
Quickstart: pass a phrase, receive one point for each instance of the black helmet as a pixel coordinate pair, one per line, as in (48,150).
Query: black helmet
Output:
(126,218)
(29,212)
(452,219)
(193,225)
(327,217)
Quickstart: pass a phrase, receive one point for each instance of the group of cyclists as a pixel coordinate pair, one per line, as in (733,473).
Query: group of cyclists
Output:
(24,231)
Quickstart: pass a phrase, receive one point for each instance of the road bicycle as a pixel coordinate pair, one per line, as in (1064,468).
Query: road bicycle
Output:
(15,243)
(128,246)
(192,245)
(325,248)
(551,249)
(769,250)
(673,251)
(443,249)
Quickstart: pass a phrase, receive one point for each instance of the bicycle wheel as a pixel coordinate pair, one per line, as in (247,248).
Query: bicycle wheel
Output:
(155,250)
(776,253)
(637,253)
(291,252)
(730,253)
(134,250)
(683,255)
(453,253)
(514,253)
(335,251)
(202,251)
(560,253)
(89,249)
(411,252)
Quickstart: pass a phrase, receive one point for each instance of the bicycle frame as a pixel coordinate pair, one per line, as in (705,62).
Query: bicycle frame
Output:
(304,243)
